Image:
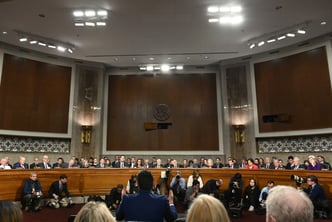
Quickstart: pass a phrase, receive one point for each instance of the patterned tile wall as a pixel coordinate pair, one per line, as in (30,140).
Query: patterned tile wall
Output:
(34,144)
(300,144)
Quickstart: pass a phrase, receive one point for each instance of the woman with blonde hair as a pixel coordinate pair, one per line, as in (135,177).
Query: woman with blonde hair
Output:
(94,212)
(206,208)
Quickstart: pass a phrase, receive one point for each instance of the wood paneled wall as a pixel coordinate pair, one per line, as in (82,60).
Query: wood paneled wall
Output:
(34,96)
(297,88)
(192,102)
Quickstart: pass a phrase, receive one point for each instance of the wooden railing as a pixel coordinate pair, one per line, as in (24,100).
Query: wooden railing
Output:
(85,182)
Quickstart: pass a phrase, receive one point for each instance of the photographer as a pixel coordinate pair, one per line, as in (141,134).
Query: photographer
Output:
(233,194)
(178,185)
(132,185)
(32,193)
(195,176)
(317,196)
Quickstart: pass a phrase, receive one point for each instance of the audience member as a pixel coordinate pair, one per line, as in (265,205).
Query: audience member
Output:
(10,212)
(94,211)
(144,205)
(32,193)
(207,209)
(195,176)
(251,196)
(59,163)
(290,163)
(287,204)
(122,163)
(56,191)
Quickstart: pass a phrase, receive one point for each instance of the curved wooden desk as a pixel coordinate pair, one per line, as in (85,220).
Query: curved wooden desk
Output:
(92,181)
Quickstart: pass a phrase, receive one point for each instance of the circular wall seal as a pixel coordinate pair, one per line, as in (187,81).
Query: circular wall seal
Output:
(161,112)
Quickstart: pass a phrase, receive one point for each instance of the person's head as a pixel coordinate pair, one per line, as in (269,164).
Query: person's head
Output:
(286,204)
(145,180)
(296,160)
(63,178)
(250,161)
(33,176)
(312,159)
(270,184)
(195,183)
(311,180)
(46,159)
(195,174)
(252,182)
(206,208)
(290,159)
(219,182)
(119,188)
(94,211)
(10,212)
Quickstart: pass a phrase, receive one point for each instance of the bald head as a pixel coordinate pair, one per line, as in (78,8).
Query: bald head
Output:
(286,204)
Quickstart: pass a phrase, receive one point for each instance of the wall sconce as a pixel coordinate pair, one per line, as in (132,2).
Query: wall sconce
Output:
(239,134)
(86,132)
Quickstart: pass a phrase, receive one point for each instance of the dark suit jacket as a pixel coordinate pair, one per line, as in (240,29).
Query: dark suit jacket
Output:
(18,166)
(55,189)
(145,206)
(29,185)
(34,165)
(220,165)
(118,164)
(301,167)
(41,165)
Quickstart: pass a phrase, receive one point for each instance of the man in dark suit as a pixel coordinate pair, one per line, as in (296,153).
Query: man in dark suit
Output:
(32,193)
(122,163)
(46,163)
(35,163)
(21,164)
(56,191)
(144,205)
(296,164)
(218,163)
(317,196)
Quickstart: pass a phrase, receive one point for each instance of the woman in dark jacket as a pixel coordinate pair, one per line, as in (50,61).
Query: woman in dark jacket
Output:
(251,196)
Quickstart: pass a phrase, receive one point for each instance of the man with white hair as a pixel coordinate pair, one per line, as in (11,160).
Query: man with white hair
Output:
(286,204)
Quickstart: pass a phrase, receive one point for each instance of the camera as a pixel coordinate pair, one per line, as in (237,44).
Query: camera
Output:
(298,180)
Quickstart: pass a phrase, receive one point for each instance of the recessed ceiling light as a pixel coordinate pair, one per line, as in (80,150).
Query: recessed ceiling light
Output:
(323,23)
(70,51)
(78,13)
(281,37)
(102,13)
(165,68)
(301,31)
(51,46)
(89,13)
(41,44)
(90,24)
(252,46)
(271,40)
(24,39)
(101,23)
(4,32)
(79,24)
(134,59)
(149,68)
(33,42)
(213,9)
(61,48)
(290,34)
(151,58)
(212,20)
(261,43)
(179,67)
